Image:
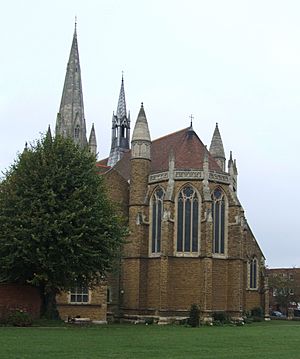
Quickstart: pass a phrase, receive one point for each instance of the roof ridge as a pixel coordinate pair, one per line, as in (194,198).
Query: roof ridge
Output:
(171,134)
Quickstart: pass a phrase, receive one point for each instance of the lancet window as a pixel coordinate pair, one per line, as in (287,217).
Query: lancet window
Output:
(218,212)
(188,220)
(253,273)
(157,213)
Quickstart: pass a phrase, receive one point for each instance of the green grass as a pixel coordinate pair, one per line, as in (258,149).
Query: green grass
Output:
(259,340)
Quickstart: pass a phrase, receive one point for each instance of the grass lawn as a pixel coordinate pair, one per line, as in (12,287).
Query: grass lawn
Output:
(278,339)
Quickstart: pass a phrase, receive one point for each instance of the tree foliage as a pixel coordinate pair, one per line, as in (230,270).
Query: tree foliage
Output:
(284,291)
(57,227)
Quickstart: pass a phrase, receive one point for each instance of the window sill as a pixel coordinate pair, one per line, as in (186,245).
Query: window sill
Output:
(219,256)
(187,254)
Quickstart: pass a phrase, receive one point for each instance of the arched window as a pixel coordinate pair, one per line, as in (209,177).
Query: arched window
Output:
(187,220)
(157,212)
(253,271)
(76,131)
(218,212)
(122,131)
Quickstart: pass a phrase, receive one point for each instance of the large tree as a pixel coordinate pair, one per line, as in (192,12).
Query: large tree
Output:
(57,226)
(284,291)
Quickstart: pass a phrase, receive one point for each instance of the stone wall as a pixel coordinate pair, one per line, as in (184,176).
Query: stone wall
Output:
(95,310)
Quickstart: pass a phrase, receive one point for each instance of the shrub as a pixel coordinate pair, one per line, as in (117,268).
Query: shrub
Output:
(257,314)
(221,317)
(217,323)
(194,317)
(19,318)
(149,321)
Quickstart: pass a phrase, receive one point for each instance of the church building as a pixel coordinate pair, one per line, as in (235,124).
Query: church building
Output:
(189,240)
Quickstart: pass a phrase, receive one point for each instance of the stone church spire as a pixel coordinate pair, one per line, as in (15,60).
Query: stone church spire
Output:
(216,148)
(70,120)
(120,130)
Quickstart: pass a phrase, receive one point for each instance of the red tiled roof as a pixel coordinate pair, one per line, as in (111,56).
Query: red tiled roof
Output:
(187,148)
(102,163)
(188,151)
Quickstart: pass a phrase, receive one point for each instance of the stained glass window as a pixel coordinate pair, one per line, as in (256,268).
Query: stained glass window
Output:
(253,273)
(187,220)
(157,212)
(218,212)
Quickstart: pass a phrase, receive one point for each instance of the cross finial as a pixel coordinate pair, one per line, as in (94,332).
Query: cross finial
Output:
(191,117)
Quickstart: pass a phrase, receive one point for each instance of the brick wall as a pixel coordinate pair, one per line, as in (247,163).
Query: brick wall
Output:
(15,296)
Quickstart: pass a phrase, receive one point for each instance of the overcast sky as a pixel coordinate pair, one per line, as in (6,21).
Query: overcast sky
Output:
(235,62)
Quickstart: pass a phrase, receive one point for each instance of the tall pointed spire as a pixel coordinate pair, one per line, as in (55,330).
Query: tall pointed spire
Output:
(216,148)
(70,120)
(121,110)
(120,129)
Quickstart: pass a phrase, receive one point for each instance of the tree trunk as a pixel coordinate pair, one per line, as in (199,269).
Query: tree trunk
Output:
(48,307)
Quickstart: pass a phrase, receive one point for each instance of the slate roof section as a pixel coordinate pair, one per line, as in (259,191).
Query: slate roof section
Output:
(188,151)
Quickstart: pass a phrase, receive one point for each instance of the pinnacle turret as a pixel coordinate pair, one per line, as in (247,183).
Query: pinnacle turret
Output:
(230,165)
(216,148)
(93,141)
(232,170)
(141,140)
(70,118)
(120,129)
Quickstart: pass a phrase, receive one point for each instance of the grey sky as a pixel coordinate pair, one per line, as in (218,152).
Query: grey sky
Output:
(232,62)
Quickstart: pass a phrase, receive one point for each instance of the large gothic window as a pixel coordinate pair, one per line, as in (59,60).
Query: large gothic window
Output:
(187,220)
(218,212)
(157,212)
(253,272)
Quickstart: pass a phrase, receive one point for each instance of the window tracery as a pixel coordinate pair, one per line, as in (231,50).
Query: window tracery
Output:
(218,213)
(157,214)
(187,220)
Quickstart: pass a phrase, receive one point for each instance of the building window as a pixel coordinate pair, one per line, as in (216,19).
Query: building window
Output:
(76,131)
(253,273)
(157,213)
(79,295)
(187,220)
(218,212)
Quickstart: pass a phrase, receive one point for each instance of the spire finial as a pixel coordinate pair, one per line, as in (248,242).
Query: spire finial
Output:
(142,104)
(122,75)
(75,24)
(191,117)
